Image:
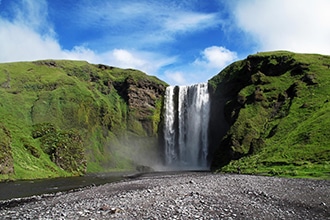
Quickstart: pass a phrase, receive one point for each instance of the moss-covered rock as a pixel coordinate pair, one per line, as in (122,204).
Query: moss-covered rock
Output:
(261,106)
(6,158)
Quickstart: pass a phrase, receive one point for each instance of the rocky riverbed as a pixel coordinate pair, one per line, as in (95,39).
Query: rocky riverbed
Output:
(182,196)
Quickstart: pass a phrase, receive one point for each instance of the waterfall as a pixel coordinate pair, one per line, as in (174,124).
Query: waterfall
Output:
(186,122)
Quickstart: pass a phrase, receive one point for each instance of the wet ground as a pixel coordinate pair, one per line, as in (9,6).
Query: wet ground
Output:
(182,196)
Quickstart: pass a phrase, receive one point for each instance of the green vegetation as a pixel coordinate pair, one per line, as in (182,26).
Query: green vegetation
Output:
(6,158)
(270,116)
(279,114)
(61,118)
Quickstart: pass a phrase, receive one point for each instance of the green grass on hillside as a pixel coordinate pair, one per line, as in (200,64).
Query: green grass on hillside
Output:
(70,95)
(288,113)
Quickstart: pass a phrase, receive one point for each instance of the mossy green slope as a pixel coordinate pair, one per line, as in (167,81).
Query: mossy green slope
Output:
(83,113)
(278,114)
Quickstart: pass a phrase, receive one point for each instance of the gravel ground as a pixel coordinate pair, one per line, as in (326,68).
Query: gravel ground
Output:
(182,196)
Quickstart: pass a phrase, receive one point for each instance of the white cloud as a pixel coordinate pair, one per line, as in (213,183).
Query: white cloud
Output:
(145,61)
(296,25)
(176,78)
(80,53)
(28,35)
(215,57)
(211,61)
(126,58)
(33,14)
(20,41)
(189,21)
(147,22)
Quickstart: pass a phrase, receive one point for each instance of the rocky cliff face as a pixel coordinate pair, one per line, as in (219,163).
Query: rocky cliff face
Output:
(143,97)
(260,102)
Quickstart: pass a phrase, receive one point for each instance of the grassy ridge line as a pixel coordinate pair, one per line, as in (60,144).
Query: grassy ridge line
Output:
(281,115)
(73,96)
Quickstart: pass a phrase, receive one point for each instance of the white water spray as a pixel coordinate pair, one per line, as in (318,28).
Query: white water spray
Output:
(187,110)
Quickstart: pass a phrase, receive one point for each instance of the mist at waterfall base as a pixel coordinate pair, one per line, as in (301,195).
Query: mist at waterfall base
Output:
(186,122)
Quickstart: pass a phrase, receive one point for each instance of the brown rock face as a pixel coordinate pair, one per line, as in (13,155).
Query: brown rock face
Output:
(142,96)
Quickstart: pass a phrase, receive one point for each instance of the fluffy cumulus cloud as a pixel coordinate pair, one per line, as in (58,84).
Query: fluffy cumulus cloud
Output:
(19,42)
(215,58)
(210,62)
(177,78)
(296,25)
(25,35)
(126,58)
(148,62)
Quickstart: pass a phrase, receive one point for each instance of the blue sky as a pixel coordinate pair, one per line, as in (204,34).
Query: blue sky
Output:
(180,41)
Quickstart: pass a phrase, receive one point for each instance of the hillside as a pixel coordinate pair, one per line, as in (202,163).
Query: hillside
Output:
(271,115)
(63,118)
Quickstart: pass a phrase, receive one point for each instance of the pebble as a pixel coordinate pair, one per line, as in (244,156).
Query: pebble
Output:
(182,196)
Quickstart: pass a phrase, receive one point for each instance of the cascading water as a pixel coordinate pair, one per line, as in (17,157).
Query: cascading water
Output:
(186,126)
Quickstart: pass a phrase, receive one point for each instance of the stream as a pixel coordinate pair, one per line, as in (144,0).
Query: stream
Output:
(26,188)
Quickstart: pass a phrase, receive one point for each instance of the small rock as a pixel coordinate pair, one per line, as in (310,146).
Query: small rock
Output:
(105,208)
(114,210)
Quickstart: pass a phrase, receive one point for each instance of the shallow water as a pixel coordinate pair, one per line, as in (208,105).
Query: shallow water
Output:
(27,188)
(20,189)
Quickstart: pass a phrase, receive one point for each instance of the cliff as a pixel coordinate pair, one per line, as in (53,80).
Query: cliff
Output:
(271,115)
(63,118)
